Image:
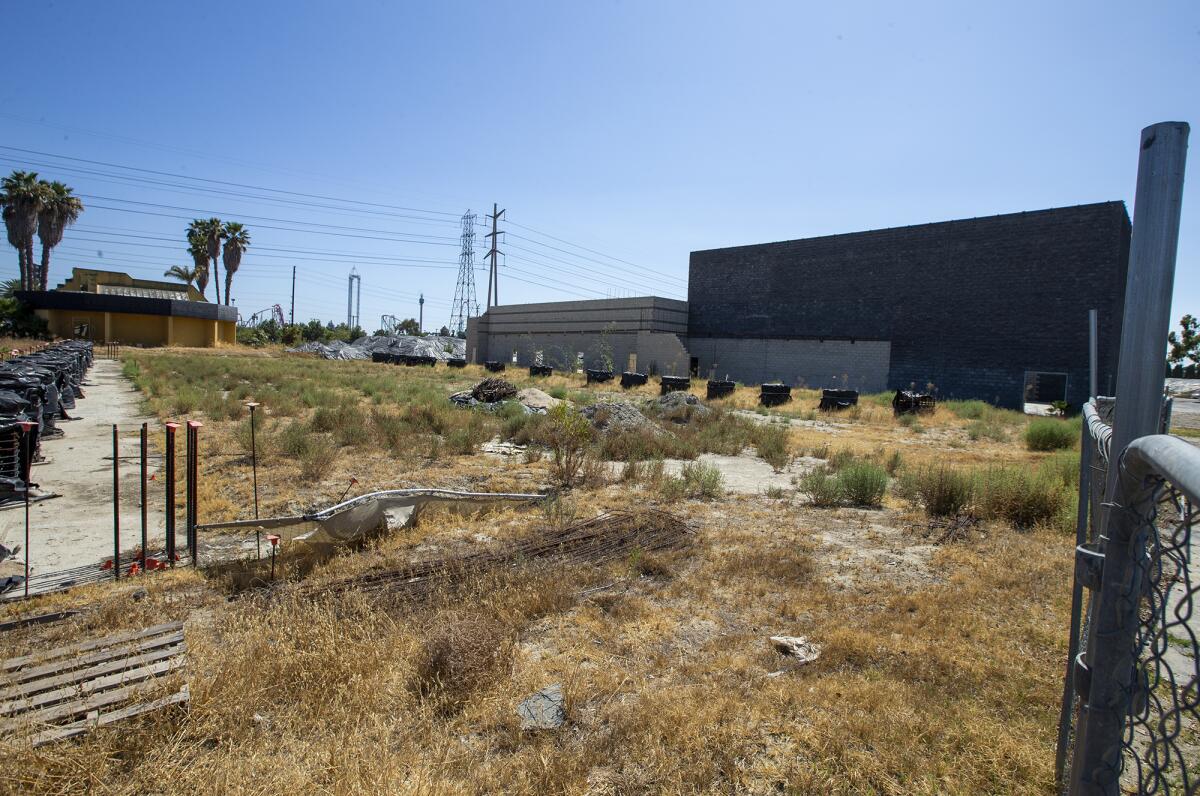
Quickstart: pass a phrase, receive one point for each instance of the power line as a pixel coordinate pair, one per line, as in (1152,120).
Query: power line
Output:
(226,182)
(592,251)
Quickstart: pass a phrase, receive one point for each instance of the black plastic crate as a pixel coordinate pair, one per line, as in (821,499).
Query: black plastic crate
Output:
(599,376)
(674,384)
(631,379)
(494,367)
(541,370)
(774,394)
(834,400)
(718,388)
(456,362)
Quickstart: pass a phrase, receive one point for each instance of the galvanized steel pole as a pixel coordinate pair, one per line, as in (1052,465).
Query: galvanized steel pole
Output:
(116,508)
(1109,659)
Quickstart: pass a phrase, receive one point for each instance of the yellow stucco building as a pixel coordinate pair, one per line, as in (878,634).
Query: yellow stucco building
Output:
(109,306)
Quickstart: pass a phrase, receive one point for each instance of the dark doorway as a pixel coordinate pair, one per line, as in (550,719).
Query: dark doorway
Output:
(1042,387)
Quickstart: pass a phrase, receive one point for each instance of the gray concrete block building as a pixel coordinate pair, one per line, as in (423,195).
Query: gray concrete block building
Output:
(994,308)
(603,333)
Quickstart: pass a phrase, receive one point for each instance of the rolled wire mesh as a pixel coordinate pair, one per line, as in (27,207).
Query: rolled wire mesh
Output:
(608,537)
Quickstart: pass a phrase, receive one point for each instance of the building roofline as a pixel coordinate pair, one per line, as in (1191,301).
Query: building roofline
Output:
(954,221)
(107,302)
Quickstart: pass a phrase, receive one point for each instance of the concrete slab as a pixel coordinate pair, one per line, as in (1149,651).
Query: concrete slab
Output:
(77,528)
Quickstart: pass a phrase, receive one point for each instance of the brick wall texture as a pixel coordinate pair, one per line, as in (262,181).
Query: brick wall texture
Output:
(862,365)
(968,306)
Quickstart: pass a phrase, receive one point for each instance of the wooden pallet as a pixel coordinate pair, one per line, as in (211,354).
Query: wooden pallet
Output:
(68,691)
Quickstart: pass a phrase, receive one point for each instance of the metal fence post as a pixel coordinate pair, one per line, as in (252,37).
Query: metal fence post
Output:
(252,405)
(142,447)
(27,427)
(116,507)
(1106,670)
(170,487)
(193,486)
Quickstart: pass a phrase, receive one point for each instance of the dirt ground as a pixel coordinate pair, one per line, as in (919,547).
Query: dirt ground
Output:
(76,528)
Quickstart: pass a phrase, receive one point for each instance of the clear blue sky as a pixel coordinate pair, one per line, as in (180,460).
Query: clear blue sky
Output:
(640,130)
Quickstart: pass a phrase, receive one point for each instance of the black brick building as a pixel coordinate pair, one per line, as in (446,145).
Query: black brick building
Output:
(970,306)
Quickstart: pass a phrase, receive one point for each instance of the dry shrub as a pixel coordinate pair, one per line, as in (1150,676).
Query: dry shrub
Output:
(459,653)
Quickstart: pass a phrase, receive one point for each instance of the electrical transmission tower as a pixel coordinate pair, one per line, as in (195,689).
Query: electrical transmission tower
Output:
(464,292)
(493,253)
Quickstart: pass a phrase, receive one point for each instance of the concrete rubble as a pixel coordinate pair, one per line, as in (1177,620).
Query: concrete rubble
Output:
(618,416)
(543,710)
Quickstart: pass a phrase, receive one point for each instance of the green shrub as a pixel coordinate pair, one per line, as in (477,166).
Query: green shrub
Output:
(942,491)
(567,434)
(389,427)
(892,462)
(318,458)
(1018,496)
(987,429)
(1050,434)
(293,440)
(820,487)
(702,481)
(862,484)
(967,410)
(771,442)
(464,439)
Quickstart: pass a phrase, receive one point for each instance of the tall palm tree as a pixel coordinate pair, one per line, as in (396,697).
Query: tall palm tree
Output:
(210,230)
(59,210)
(198,248)
(183,273)
(22,198)
(237,240)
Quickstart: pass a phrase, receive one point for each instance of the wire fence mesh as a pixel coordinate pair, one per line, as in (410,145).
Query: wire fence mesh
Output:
(1155,688)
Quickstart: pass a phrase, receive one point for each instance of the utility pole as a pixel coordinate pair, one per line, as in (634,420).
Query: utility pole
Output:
(421,315)
(292,313)
(493,274)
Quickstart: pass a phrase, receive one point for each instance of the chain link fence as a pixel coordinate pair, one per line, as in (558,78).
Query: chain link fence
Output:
(1131,708)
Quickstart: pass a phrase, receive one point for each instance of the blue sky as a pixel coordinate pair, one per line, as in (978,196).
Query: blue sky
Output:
(638,130)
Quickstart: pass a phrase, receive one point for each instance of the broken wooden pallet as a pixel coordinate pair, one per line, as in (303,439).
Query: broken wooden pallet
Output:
(46,697)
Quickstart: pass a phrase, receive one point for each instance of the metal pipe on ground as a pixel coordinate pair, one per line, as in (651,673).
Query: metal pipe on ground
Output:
(116,562)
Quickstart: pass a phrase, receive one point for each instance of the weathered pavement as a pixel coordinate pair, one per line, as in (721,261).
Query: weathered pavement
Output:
(77,528)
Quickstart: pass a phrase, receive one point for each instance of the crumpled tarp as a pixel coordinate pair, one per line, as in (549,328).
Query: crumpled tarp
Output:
(434,345)
(324,531)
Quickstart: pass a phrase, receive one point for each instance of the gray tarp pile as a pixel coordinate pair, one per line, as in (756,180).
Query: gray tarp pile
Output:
(434,345)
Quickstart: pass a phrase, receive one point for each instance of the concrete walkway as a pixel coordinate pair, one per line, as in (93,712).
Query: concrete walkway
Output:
(77,528)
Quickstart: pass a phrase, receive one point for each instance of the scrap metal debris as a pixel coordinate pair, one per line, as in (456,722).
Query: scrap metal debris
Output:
(608,537)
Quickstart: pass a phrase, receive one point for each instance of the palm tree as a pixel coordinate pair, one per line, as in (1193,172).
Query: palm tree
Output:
(22,198)
(237,240)
(198,248)
(210,231)
(183,273)
(59,210)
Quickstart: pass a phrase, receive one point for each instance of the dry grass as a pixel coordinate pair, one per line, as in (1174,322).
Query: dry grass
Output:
(940,670)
